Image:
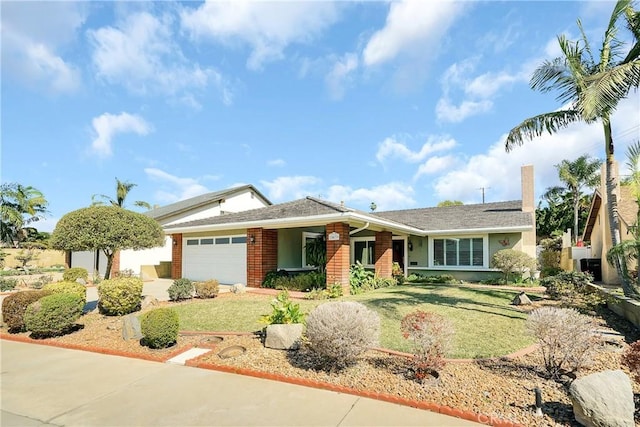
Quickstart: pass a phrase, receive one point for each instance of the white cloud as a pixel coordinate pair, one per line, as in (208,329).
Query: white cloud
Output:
(276,163)
(268,28)
(434,165)
(446,111)
(140,54)
(391,148)
(33,33)
(175,188)
(291,187)
(393,195)
(340,74)
(107,125)
(412,27)
(499,172)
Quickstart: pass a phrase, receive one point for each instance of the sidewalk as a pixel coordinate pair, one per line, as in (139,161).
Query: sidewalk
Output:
(48,386)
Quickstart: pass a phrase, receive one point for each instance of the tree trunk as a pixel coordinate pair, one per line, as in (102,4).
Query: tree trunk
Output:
(109,255)
(576,210)
(612,203)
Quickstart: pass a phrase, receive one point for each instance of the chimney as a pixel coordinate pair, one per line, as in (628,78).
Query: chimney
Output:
(527,188)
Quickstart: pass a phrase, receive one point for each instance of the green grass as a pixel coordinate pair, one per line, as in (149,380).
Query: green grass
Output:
(486,324)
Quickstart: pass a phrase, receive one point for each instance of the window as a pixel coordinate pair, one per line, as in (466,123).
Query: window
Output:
(239,239)
(222,241)
(466,252)
(307,237)
(364,252)
(206,241)
(192,242)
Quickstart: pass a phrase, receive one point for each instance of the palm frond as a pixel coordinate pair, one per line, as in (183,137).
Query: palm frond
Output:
(536,126)
(607,88)
(610,44)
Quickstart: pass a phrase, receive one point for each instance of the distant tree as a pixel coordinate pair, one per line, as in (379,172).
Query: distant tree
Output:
(19,206)
(450,203)
(107,229)
(576,176)
(122,191)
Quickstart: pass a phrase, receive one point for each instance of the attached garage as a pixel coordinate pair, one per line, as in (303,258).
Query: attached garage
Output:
(221,257)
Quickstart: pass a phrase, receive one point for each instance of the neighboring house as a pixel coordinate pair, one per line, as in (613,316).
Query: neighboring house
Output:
(597,231)
(148,261)
(459,240)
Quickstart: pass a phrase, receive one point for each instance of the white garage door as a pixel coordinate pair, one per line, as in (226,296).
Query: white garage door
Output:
(222,257)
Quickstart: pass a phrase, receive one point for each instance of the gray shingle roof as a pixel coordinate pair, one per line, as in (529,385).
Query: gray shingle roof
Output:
(463,217)
(203,199)
(307,207)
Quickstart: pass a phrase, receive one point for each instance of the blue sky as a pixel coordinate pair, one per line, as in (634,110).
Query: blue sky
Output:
(402,103)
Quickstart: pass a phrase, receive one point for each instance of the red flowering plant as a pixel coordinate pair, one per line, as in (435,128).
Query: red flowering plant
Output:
(430,335)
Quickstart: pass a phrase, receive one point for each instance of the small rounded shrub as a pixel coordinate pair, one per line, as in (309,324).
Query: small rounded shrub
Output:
(430,335)
(54,314)
(68,287)
(15,305)
(75,273)
(180,289)
(160,327)
(208,289)
(631,359)
(339,332)
(119,296)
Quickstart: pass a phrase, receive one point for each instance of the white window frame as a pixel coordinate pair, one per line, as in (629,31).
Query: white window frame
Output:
(307,235)
(353,249)
(485,252)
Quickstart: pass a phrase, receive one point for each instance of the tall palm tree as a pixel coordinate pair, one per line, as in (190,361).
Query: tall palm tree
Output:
(122,191)
(575,75)
(19,206)
(576,176)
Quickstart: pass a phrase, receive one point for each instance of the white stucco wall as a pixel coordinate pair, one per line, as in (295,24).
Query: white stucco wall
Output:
(132,260)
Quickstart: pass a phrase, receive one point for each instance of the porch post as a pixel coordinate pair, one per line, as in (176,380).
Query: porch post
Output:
(176,256)
(338,255)
(384,253)
(262,254)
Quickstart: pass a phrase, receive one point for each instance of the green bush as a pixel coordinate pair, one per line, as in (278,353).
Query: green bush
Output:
(41,281)
(15,305)
(512,263)
(160,327)
(283,311)
(208,289)
(75,273)
(570,287)
(68,287)
(180,289)
(300,282)
(119,296)
(54,314)
(8,284)
(332,291)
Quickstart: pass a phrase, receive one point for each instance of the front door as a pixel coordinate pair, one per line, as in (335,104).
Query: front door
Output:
(398,253)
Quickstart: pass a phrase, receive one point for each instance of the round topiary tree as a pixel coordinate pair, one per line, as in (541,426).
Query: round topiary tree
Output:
(160,327)
(107,229)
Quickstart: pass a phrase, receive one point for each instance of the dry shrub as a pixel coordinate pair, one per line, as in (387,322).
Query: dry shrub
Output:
(339,332)
(631,359)
(566,338)
(431,336)
(208,289)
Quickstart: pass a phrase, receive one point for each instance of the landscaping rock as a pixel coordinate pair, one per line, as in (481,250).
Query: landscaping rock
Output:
(131,328)
(603,399)
(148,301)
(521,299)
(238,288)
(284,337)
(81,281)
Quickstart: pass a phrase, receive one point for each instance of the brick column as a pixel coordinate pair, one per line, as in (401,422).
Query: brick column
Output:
(338,255)
(262,254)
(176,256)
(384,253)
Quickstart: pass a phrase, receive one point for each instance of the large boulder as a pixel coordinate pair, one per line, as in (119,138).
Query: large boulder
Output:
(283,337)
(604,399)
(521,299)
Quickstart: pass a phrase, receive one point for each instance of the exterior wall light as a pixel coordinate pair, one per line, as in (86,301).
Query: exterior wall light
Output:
(252,239)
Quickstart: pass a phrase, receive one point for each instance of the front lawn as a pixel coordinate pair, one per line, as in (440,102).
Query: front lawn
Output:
(486,324)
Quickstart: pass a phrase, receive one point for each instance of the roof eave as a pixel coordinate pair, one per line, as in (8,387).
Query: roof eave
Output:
(484,230)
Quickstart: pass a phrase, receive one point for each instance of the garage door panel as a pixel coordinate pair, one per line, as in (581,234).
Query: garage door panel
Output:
(225,262)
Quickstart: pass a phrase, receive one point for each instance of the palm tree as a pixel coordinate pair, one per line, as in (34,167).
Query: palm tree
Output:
(19,206)
(577,175)
(629,250)
(580,80)
(122,191)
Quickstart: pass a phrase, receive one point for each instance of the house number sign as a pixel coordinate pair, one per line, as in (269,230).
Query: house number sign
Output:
(334,236)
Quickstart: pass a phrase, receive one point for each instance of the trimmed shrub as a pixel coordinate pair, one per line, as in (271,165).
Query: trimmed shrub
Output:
(430,335)
(119,296)
(631,359)
(68,287)
(571,288)
(180,289)
(75,273)
(54,314)
(8,284)
(565,336)
(160,327)
(511,261)
(15,305)
(208,289)
(299,282)
(339,332)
